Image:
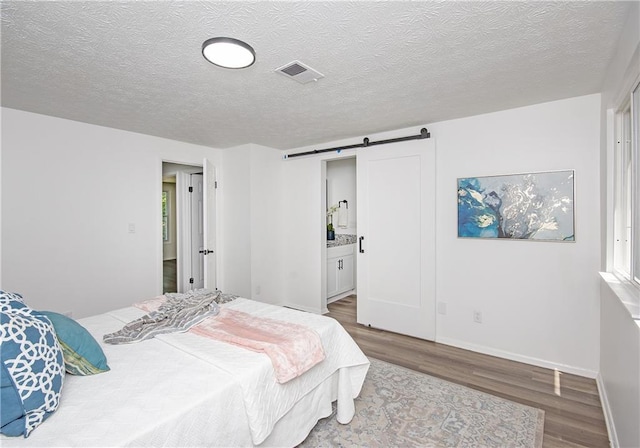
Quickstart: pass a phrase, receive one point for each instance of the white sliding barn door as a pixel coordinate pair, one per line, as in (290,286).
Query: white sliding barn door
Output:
(396,230)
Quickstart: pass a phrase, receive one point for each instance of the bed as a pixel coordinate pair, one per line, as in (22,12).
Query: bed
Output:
(182,389)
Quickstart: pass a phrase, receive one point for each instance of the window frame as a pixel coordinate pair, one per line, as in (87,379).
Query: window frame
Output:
(635,184)
(626,219)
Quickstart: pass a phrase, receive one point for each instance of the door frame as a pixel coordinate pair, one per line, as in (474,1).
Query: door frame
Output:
(323,203)
(158,213)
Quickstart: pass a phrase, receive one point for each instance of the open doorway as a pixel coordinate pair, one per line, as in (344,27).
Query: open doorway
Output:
(182,224)
(341,209)
(169,235)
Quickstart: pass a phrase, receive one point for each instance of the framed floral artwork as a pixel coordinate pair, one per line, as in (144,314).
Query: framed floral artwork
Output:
(531,206)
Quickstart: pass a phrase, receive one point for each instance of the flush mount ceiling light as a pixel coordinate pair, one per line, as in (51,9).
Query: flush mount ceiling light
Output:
(228,52)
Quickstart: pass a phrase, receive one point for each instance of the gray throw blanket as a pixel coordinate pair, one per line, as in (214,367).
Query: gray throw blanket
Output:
(179,313)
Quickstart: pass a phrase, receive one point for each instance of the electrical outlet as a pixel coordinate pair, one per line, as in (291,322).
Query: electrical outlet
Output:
(477,317)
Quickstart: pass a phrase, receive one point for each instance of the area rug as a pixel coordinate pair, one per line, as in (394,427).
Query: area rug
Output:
(399,407)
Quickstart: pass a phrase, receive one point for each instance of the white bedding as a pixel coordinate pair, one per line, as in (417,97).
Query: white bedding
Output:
(186,390)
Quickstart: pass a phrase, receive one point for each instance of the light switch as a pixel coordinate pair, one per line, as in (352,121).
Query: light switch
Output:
(132,228)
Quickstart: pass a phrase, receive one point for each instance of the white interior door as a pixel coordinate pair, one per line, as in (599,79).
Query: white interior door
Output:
(183,222)
(209,225)
(196,207)
(396,229)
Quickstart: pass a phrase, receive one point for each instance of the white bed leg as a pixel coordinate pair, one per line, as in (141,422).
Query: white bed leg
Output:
(346,405)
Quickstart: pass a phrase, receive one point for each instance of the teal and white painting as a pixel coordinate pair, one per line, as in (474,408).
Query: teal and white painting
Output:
(532,206)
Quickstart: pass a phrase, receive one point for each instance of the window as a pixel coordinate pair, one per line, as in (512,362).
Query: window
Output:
(627,183)
(165,216)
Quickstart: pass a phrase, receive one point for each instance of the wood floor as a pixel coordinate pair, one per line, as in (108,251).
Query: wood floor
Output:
(573,412)
(169,276)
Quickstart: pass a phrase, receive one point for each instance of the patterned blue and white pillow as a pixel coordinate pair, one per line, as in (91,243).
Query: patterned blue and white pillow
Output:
(31,370)
(10,301)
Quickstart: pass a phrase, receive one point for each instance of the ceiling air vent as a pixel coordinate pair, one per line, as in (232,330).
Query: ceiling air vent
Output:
(300,72)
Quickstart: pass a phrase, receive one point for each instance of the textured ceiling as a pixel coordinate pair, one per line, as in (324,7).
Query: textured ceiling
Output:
(138,66)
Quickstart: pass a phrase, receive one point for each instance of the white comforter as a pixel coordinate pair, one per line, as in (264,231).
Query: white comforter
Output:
(186,390)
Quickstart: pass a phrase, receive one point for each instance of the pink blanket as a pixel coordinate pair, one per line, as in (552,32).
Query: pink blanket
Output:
(293,348)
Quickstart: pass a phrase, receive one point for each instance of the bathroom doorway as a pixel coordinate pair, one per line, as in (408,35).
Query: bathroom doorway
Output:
(341,206)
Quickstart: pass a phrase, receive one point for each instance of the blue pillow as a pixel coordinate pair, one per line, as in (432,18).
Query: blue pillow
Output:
(11,409)
(31,371)
(11,301)
(82,354)
(11,406)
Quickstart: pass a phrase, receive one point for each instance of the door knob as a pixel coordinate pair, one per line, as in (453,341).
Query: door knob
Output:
(205,252)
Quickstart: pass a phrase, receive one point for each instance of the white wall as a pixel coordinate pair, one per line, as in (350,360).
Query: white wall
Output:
(619,370)
(253,222)
(305,229)
(268,237)
(539,300)
(69,192)
(1,112)
(624,65)
(235,185)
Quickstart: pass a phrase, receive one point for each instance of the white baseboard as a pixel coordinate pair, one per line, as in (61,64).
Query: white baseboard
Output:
(520,358)
(341,296)
(295,306)
(608,415)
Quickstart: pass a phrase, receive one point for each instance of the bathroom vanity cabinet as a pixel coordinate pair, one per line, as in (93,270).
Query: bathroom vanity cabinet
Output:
(340,269)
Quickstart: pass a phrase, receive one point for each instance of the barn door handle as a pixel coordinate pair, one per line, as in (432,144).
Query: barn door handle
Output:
(360,242)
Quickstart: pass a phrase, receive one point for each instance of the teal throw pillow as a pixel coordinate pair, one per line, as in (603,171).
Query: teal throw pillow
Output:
(82,353)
